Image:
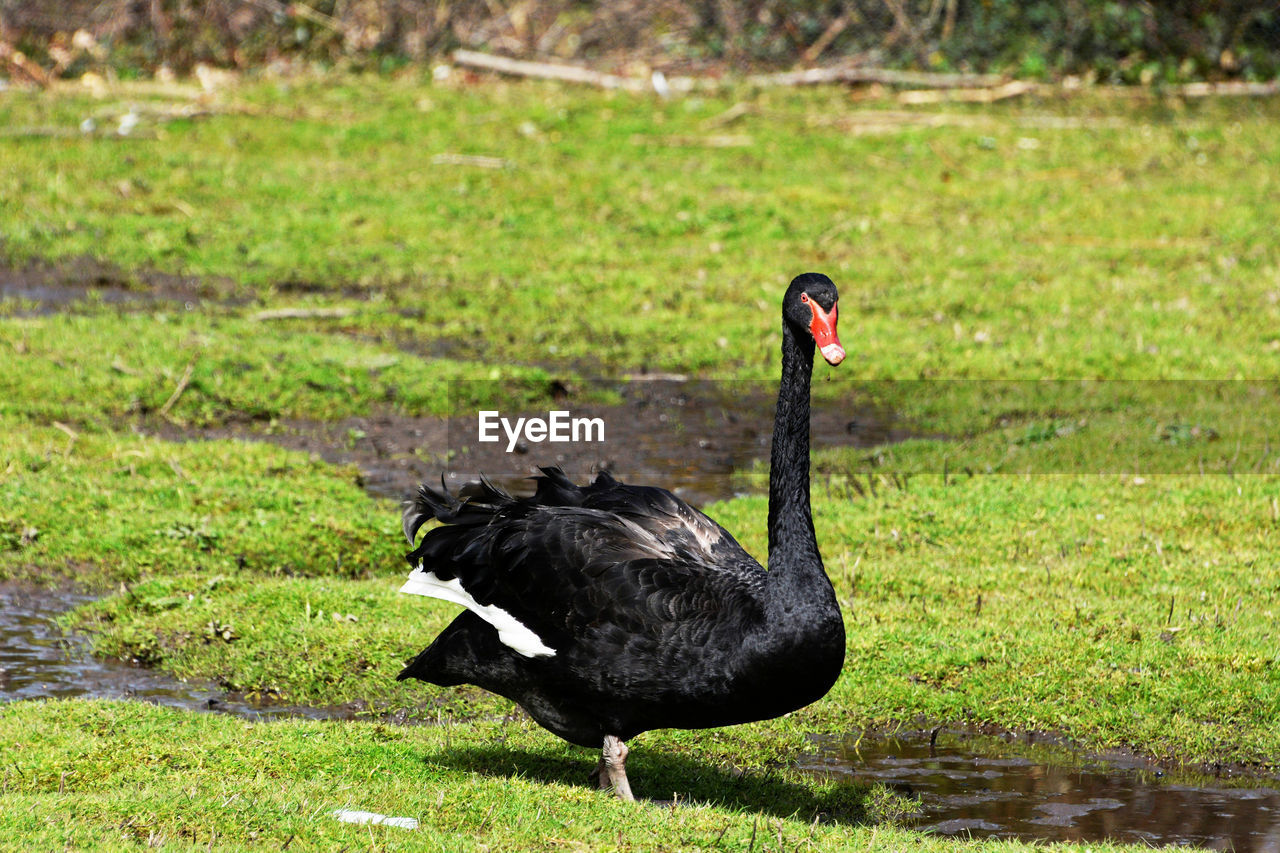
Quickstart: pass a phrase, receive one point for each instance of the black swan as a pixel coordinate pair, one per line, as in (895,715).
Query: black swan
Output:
(608,610)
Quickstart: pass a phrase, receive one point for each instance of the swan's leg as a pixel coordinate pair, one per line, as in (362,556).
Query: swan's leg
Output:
(613,774)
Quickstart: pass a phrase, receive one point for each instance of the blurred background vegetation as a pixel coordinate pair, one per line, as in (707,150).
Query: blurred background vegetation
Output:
(1115,41)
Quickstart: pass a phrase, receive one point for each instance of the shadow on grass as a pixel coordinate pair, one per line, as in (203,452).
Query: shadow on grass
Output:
(662,777)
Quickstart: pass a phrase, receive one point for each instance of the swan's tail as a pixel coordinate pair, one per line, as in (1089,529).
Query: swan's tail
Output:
(476,503)
(473,502)
(432,663)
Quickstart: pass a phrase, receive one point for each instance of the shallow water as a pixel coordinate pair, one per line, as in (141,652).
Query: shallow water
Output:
(40,660)
(991,787)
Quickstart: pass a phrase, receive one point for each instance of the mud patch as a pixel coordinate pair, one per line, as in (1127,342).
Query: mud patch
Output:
(47,287)
(970,784)
(694,437)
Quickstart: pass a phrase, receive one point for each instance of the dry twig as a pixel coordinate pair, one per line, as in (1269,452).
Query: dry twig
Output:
(478,160)
(886,76)
(177,392)
(1012,89)
(546,71)
(824,41)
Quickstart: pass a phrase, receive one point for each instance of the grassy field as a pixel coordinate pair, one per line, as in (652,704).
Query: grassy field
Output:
(1096,562)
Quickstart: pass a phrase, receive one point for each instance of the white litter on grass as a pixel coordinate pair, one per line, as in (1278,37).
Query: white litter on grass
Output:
(128,122)
(348,816)
(660,84)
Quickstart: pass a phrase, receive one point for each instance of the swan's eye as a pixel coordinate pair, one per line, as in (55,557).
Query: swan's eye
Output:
(804,297)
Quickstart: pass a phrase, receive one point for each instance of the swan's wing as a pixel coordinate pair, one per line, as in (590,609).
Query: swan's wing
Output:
(613,565)
(666,518)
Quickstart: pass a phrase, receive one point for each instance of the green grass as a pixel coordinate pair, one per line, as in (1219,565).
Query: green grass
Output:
(101,367)
(122,775)
(1120,612)
(1040,238)
(111,508)
(1096,560)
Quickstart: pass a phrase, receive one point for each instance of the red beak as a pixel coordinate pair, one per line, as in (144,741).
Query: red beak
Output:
(823,329)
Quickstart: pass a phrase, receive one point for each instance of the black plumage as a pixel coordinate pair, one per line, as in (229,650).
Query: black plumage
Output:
(607,610)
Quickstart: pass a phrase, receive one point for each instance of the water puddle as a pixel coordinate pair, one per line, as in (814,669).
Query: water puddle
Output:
(990,787)
(39,660)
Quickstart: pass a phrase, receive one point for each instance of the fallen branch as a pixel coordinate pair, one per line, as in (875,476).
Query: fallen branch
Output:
(18,62)
(829,35)
(547,71)
(1233,89)
(1228,89)
(884,76)
(722,140)
(478,160)
(70,433)
(1012,89)
(302,10)
(97,85)
(881,121)
(811,76)
(120,367)
(729,116)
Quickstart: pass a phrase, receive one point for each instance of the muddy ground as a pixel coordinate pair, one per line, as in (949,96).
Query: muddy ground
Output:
(691,436)
(46,287)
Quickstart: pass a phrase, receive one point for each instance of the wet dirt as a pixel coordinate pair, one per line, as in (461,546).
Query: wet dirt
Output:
(39,660)
(693,437)
(972,784)
(44,287)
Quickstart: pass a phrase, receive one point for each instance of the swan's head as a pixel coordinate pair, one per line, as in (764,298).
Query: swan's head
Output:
(810,304)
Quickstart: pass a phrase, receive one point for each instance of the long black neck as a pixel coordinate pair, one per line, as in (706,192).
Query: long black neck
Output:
(792,544)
